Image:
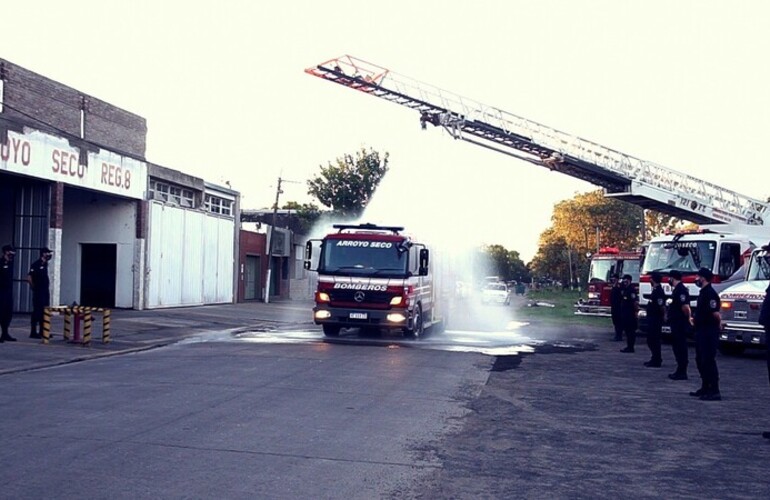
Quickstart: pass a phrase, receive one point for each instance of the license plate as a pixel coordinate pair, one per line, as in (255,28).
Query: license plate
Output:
(358,316)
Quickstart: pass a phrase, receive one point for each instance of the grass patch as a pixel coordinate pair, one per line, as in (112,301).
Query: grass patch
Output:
(562,312)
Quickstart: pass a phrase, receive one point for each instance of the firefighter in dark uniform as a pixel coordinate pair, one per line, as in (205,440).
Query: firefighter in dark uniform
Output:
(616,298)
(6,292)
(708,324)
(629,311)
(656,313)
(679,321)
(764,320)
(41,295)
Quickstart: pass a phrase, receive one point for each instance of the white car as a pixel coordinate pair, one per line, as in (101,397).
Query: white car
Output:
(496,293)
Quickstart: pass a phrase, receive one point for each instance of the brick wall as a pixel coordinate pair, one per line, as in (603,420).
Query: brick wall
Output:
(47,105)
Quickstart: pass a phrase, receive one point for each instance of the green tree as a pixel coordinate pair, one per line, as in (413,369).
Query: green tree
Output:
(551,262)
(346,186)
(657,223)
(506,264)
(307,214)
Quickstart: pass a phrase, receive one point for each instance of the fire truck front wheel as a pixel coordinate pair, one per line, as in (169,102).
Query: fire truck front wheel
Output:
(331,330)
(417,324)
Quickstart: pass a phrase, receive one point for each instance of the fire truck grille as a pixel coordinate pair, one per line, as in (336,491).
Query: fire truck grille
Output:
(743,311)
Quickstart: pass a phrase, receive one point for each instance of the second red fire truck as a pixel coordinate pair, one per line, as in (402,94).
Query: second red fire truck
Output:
(605,264)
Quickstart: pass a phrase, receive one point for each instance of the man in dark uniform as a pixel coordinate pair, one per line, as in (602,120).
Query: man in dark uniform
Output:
(616,298)
(41,296)
(656,312)
(629,311)
(6,292)
(764,320)
(679,320)
(708,324)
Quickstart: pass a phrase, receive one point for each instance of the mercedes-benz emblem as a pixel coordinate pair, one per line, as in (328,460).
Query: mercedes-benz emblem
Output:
(359,296)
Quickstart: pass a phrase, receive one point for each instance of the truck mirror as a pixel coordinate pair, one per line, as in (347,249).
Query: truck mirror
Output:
(309,257)
(424,261)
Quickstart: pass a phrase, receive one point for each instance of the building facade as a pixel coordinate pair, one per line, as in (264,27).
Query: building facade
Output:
(125,233)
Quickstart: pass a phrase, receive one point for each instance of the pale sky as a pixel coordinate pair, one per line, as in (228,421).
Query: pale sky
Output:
(221,84)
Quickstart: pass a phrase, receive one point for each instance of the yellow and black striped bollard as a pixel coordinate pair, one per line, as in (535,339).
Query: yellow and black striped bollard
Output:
(87,320)
(46,324)
(106,319)
(67,323)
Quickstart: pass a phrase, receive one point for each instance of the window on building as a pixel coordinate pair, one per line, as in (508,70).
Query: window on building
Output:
(217,205)
(171,193)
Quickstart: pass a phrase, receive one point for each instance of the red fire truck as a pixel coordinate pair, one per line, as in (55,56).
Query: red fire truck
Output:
(606,263)
(372,276)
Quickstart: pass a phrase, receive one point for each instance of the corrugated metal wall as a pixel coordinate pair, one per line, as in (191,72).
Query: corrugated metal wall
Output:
(190,257)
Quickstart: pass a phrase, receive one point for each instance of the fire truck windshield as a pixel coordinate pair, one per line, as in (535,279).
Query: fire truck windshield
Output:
(760,266)
(602,270)
(684,256)
(364,257)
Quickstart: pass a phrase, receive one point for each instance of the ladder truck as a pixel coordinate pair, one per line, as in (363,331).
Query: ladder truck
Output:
(731,224)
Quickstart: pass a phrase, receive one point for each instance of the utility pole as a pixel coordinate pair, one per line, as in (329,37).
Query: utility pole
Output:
(270,242)
(597,239)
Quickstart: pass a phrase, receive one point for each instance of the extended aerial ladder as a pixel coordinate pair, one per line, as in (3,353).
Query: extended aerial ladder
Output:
(622,176)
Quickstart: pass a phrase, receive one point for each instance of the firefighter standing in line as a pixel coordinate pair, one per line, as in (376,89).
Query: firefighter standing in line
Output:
(41,295)
(6,292)
(616,298)
(679,320)
(629,310)
(764,320)
(708,324)
(656,315)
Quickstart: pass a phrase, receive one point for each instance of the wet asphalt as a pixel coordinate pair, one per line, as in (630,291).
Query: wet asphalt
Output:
(563,413)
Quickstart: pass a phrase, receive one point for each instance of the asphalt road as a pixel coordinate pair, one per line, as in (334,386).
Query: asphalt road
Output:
(495,408)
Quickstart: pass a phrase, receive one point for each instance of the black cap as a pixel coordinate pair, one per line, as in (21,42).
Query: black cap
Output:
(676,275)
(656,276)
(8,248)
(45,250)
(706,273)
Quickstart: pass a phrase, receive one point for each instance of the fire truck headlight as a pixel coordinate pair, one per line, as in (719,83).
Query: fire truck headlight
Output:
(323,314)
(397,300)
(593,295)
(723,336)
(756,339)
(322,297)
(396,318)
